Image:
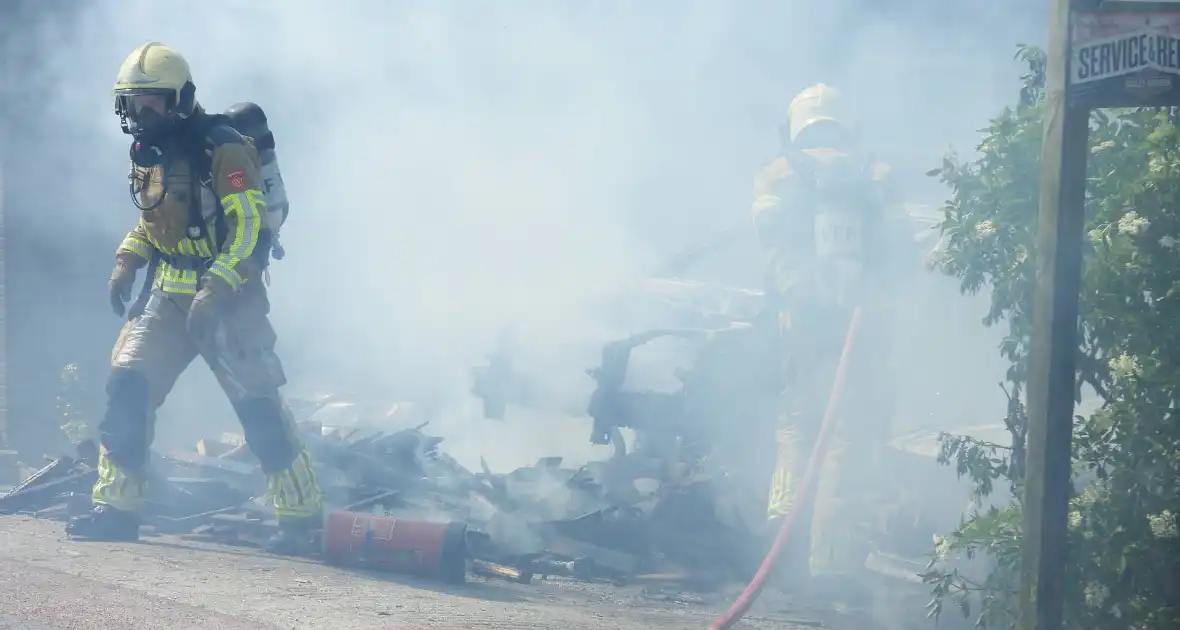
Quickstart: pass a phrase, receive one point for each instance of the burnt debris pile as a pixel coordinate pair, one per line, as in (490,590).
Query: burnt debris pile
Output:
(646,513)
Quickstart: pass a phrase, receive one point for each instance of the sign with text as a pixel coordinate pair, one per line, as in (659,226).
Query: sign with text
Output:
(1125,59)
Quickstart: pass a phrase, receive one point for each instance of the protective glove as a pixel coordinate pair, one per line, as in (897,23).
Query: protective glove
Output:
(207,310)
(122,280)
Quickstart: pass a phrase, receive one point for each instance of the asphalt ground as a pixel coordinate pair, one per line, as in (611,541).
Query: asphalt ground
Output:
(48,582)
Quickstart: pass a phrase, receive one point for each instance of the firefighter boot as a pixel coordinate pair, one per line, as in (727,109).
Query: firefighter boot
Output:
(296,536)
(105,523)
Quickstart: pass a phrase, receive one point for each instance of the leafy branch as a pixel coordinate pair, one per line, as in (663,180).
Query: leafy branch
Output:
(71,402)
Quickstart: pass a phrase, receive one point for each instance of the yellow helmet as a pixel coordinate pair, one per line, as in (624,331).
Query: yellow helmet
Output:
(817,103)
(154,89)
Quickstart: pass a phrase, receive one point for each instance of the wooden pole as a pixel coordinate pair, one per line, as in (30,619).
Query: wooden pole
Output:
(1054,339)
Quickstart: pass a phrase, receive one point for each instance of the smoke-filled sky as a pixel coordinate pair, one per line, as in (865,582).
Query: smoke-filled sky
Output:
(455,166)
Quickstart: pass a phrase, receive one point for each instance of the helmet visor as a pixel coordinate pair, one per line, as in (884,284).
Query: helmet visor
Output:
(134,103)
(145,110)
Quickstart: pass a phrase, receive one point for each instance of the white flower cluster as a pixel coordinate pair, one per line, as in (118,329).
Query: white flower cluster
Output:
(1132,224)
(1124,366)
(1163,525)
(985,229)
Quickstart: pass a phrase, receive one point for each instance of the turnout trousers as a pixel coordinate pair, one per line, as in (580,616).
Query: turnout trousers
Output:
(833,530)
(151,353)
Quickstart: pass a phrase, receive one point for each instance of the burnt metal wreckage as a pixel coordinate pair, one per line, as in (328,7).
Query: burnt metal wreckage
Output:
(701,440)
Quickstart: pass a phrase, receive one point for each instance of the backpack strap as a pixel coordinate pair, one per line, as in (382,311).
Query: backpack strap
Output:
(201,141)
(145,289)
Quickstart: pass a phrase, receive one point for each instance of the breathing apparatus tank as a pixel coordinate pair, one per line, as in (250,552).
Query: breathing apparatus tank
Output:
(249,120)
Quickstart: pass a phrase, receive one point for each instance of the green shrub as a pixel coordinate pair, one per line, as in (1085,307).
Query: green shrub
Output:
(1124,567)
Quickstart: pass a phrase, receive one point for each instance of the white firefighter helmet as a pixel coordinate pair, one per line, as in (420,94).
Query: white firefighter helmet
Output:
(154,88)
(816,103)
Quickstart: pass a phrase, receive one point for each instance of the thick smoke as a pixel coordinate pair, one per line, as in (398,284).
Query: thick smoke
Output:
(457,167)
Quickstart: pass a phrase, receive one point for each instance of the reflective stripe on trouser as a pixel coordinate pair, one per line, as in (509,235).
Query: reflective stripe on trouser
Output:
(829,529)
(116,488)
(295,491)
(808,373)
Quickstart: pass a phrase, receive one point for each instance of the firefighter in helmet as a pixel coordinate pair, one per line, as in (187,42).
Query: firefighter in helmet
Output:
(822,213)
(196,183)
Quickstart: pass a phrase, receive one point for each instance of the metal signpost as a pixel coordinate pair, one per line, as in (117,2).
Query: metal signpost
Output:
(1112,53)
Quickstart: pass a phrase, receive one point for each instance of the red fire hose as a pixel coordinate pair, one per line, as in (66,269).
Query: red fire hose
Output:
(742,604)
